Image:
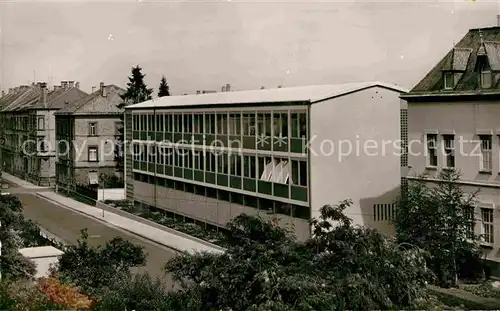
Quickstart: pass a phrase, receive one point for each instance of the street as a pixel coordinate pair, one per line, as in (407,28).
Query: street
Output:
(67,224)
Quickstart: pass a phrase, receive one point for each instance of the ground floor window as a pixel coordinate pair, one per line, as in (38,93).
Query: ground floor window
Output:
(270,206)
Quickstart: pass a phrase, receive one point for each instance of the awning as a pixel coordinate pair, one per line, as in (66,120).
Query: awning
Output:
(93,178)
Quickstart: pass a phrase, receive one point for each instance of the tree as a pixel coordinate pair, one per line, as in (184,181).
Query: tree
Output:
(265,268)
(138,292)
(439,219)
(63,295)
(136,92)
(163,89)
(95,268)
(16,232)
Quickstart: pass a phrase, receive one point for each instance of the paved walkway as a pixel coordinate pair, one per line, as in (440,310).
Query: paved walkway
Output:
(162,237)
(20,182)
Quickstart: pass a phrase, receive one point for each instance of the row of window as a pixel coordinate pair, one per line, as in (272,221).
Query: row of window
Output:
(275,169)
(269,206)
(448,147)
(64,127)
(237,123)
(22,123)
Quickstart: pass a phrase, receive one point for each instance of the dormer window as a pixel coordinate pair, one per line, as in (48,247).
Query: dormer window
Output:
(449,81)
(486,76)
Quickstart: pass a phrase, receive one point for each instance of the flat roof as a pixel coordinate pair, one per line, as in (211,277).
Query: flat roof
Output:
(309,94)
(40,252)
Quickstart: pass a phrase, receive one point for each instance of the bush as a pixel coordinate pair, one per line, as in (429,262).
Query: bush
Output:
(265,268)
(435,218)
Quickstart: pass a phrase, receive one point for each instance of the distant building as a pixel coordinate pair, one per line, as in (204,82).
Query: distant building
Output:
(27,126)
(453,122)
(91,125)
(198,92)
(267,152)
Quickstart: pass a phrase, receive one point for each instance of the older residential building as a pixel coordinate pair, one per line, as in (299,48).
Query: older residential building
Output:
(452,123)
(86,132)
(29,129)
(280,153)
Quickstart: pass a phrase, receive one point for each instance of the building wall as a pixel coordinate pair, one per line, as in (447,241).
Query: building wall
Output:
(206,209)
(104,140)
(128,163)
(466,120)
(81,174)
(463,119)
(355,154)
(45,171)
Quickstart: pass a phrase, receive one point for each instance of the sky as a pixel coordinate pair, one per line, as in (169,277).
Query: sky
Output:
(202,45)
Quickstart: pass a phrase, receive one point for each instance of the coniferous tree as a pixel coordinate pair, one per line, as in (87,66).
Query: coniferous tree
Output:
(163,89)
(137,91)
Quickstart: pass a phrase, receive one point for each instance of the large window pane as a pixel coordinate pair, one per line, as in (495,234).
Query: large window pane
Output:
(221,123)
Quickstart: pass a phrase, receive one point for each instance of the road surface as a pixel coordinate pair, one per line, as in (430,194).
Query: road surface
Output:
(67,224)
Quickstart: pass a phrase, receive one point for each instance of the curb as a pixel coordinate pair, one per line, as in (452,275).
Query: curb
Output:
(112,225)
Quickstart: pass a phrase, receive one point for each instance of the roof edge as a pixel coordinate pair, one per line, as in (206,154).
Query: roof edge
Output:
(383,85)
(367,85)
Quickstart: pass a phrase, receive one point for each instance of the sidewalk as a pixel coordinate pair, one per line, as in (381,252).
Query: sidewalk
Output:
(159,236)
(20,182)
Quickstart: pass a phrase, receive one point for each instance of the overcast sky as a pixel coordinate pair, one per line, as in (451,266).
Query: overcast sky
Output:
(249,44)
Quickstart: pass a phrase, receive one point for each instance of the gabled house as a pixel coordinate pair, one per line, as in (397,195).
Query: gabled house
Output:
(453,122)
(87,133)
(29,129)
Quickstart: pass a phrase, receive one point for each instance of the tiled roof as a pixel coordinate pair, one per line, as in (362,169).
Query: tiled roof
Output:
(493,52)
(11,97)
(29,98)
(95,103)
(313,93)
(58,99)
(462,59)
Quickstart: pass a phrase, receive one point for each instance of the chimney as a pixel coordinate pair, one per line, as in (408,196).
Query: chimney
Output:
(228,87)
(10,90)
(56,87)
(103,89)
(198,92)
(3,93)
(71,83)
(279,86)
(77,85)
(262,87)
(93,89)
(64,84)
(223,89)
(43,99)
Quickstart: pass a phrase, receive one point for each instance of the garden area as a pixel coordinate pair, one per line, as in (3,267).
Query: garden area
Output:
(206,232)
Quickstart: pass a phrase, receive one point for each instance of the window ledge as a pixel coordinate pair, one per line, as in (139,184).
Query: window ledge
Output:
(486,244)
(485,172)
(433,168)
(449,168)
